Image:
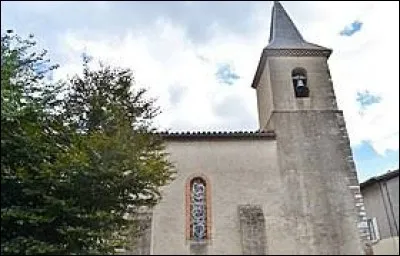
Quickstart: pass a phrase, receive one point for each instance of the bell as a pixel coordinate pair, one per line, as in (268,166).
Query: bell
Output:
(299,83)
(301,89)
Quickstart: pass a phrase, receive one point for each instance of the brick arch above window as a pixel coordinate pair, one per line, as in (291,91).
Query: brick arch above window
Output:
(188,205)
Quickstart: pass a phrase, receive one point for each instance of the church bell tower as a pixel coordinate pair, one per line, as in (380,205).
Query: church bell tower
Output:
(295,98)
(292,74)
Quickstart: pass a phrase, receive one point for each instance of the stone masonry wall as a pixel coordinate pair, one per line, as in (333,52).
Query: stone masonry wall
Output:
(252,229)
(320,182)
(353,183)
(141,241)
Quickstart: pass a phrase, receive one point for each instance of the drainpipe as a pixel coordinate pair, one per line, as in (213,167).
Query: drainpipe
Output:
(391,208)
(395,248)
(385,207)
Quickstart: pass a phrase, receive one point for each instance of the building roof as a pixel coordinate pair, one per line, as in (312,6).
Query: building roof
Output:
(217,135)
(386,176)
(284,34)
(286,40)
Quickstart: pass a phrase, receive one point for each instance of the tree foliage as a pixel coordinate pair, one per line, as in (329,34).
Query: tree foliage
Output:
(73,167)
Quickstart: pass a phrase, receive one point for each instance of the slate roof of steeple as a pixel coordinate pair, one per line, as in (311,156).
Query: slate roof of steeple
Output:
(284,34)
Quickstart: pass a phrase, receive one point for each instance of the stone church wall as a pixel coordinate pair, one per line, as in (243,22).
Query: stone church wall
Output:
(240,172)
(318,170)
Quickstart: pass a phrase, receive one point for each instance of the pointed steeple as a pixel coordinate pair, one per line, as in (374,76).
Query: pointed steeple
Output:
(284,34)
(285,40)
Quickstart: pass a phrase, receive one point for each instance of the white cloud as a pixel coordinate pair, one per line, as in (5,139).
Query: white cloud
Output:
(369,60)
(162,56)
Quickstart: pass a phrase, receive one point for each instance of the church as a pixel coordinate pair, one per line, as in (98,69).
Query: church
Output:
(290,187)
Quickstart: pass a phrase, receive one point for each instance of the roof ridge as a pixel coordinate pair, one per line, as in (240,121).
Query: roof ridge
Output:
(216,134)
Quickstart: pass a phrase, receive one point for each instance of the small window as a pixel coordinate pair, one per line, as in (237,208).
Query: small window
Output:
(299,78)
(198,209)
(373,229)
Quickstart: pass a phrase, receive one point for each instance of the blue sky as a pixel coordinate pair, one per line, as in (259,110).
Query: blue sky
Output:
(199,58)
(351,29)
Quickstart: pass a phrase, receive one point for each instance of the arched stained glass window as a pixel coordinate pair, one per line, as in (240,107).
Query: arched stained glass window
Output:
(198,209)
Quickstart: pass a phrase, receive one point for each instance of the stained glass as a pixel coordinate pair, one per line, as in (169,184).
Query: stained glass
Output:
(198,209)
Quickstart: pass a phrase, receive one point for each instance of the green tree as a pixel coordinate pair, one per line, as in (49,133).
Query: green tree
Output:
(73,168)
(26,145)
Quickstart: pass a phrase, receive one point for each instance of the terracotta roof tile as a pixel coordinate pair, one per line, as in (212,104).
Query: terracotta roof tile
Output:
(216,134)
(386,176)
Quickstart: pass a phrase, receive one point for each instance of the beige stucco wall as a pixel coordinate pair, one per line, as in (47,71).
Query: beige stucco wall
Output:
(240,172)
(387,246)
(275,89)
(264,98)
(385,209)
(321,96)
